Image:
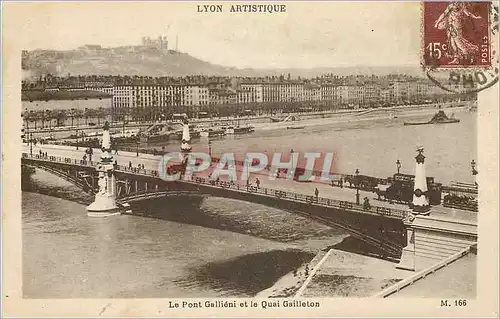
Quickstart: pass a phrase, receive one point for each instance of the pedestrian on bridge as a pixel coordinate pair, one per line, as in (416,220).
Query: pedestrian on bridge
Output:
(129,164)
(257,181)
(316,193)
(366,204)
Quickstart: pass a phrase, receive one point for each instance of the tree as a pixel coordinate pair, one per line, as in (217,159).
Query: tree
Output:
(78,115)
(43,116)
(49,115)
(60,117)
(135,113)
(99,113)
(72,114)
(33,117)
(86,114)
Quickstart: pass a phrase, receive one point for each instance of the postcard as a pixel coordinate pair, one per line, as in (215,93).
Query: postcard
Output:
(250,159)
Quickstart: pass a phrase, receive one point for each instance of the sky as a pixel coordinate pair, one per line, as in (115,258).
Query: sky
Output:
(320,34)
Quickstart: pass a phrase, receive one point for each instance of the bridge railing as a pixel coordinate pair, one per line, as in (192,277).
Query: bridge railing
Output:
(137,170)
(72,161)
(56,159)
(398,213)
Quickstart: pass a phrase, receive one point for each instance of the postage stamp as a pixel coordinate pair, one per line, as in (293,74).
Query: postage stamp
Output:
(456,34)
(459,49)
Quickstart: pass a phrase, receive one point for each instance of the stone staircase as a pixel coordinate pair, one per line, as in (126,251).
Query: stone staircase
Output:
(431,248)
(437,237)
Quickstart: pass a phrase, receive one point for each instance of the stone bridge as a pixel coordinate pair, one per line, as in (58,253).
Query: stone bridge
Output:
(380,227)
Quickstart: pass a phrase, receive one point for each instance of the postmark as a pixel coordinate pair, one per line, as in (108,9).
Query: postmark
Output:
(458,52)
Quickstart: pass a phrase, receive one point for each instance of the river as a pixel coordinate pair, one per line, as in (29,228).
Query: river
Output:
(184,247)
(212,247)
(373,146)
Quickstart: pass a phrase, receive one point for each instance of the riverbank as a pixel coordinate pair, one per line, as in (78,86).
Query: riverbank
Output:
(353,117)
(347,274)
(290,284)
(393,116)
(345,269)
(257,120)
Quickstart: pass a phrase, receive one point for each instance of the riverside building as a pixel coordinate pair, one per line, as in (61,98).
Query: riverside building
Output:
(146,98)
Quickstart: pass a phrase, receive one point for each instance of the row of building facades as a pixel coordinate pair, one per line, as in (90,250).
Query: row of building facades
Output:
(204,93)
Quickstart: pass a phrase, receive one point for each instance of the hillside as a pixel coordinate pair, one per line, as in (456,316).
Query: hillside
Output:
(144,61)
(127,61)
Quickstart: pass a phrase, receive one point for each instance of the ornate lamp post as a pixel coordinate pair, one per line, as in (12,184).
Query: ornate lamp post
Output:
(210,148)
(76,139)
(26,118)
(137,147)
(473,166)
(474,171)
(31,144)
(357,186)
(398,164)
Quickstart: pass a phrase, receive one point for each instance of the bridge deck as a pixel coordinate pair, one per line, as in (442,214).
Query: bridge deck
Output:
(151,162)
(197,182)
(447,213)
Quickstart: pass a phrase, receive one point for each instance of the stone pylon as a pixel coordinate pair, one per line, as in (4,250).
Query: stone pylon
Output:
(186,138)
(420,203)
(105,200)
(474,172)
(185,145)
(407,261)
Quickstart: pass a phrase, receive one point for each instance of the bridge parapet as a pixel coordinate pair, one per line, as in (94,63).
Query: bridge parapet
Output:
(56,159)
(351,206)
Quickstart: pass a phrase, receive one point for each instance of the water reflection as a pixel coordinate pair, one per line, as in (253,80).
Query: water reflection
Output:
(246,275)
(236,216)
